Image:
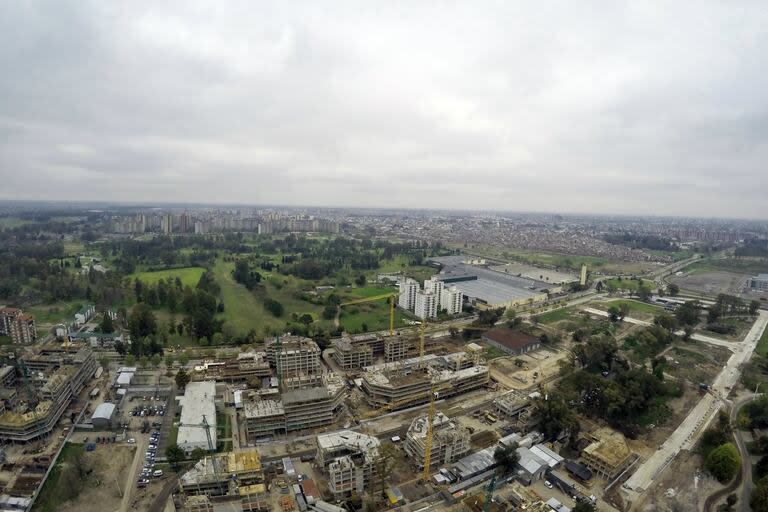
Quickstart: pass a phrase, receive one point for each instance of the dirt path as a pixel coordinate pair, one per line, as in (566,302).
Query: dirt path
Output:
(133,473)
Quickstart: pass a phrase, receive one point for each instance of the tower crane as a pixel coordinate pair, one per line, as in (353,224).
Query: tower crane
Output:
(211,448)
(391,299)
(489,494)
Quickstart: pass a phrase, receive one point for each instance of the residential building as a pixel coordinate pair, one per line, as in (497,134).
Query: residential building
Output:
(7,376)
(84,314)
(426,305)
(408,290)
(167,224)
(23,330)
(450,441)
(198,406)
(7,315)
(451,300)
(435,286)
(512,342)
(349,459)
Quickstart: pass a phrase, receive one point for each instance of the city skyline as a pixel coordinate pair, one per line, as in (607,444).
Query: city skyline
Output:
(505,108)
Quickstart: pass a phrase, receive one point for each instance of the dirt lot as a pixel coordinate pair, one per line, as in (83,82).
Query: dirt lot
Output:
(695,362)
(101,491)
(682,488)
(538,366)
(713,282)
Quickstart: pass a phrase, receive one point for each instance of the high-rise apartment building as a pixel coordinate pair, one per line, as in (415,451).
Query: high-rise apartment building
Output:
(408,290)
(435,286)
(451,300)
(426,305)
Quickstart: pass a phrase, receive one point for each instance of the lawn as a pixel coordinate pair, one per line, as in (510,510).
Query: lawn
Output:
(55,313)
(375,316)
(629,284)
(751,266)
(50,495)
(5,340)
(633,305)
(13,222)
(401,263)
(762,345)
(189,275)
(551,317)
(492,352)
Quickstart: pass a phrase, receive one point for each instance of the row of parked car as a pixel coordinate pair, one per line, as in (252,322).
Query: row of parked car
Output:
(149,471)
(149,410)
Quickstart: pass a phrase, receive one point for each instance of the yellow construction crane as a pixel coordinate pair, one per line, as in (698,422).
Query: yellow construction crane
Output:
(391,298)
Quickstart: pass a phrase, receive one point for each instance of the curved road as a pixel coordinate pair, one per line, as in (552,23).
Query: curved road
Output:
(746,461)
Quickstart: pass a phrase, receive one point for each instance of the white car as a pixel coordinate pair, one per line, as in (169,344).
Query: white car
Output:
(547,484)
(131,441)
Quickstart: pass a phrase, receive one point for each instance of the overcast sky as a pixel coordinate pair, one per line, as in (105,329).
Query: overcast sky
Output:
(649,107)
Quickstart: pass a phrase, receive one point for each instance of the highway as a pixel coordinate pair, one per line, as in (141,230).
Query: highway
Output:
(687,434)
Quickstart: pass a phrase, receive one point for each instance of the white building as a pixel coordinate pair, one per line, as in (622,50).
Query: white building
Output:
(197,403)
(451,300)
(450,441)
(408,290)
(436,287)
(426,305)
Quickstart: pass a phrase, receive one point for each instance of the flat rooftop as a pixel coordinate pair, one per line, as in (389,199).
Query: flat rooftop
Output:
(348,439)
(197,403)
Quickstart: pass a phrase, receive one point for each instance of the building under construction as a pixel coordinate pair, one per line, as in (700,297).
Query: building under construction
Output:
(398,385)
(450,441)
(223,474)
(45,383)
(349,458)
(295,407)
(608,453)
(244,367)
(291,355)
(361,350)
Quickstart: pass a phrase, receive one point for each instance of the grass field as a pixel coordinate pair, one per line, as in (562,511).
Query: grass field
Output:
(12,222)
(553,316)
(629,284)
(189,275)
(762,345)
(5,340)
(51,494)
(633,305)
(54,313)
(749,266)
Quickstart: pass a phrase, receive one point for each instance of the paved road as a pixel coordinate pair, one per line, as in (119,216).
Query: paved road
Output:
(132,475)
(686,435)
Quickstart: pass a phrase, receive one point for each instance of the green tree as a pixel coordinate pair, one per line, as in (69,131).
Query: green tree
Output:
(614,313)
(183,359)
(142,322)
(583,507)
(723,462)
(506,457)
(182,378)
(104,362)
(274,307)
(329,312)
(175,455)
(143,361)
(197,454)
(156,360)
(130,360)
(673,289)
(385,462)
(169,361)
(106,325)
(759,498)
(754,306)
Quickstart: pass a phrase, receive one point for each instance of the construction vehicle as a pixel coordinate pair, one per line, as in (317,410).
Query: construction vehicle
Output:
(389,296)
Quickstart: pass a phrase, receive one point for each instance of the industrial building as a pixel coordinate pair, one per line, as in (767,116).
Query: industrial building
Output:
(488,288)
(103,415)
(758,283)
(515,343)
(349,458)
(55,375)
(224,474)
(291,355)
(608,454)
(405,383)
(198,406)
(450,441)
(280,412)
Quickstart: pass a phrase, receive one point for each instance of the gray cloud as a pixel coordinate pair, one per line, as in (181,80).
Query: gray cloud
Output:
(596,107)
